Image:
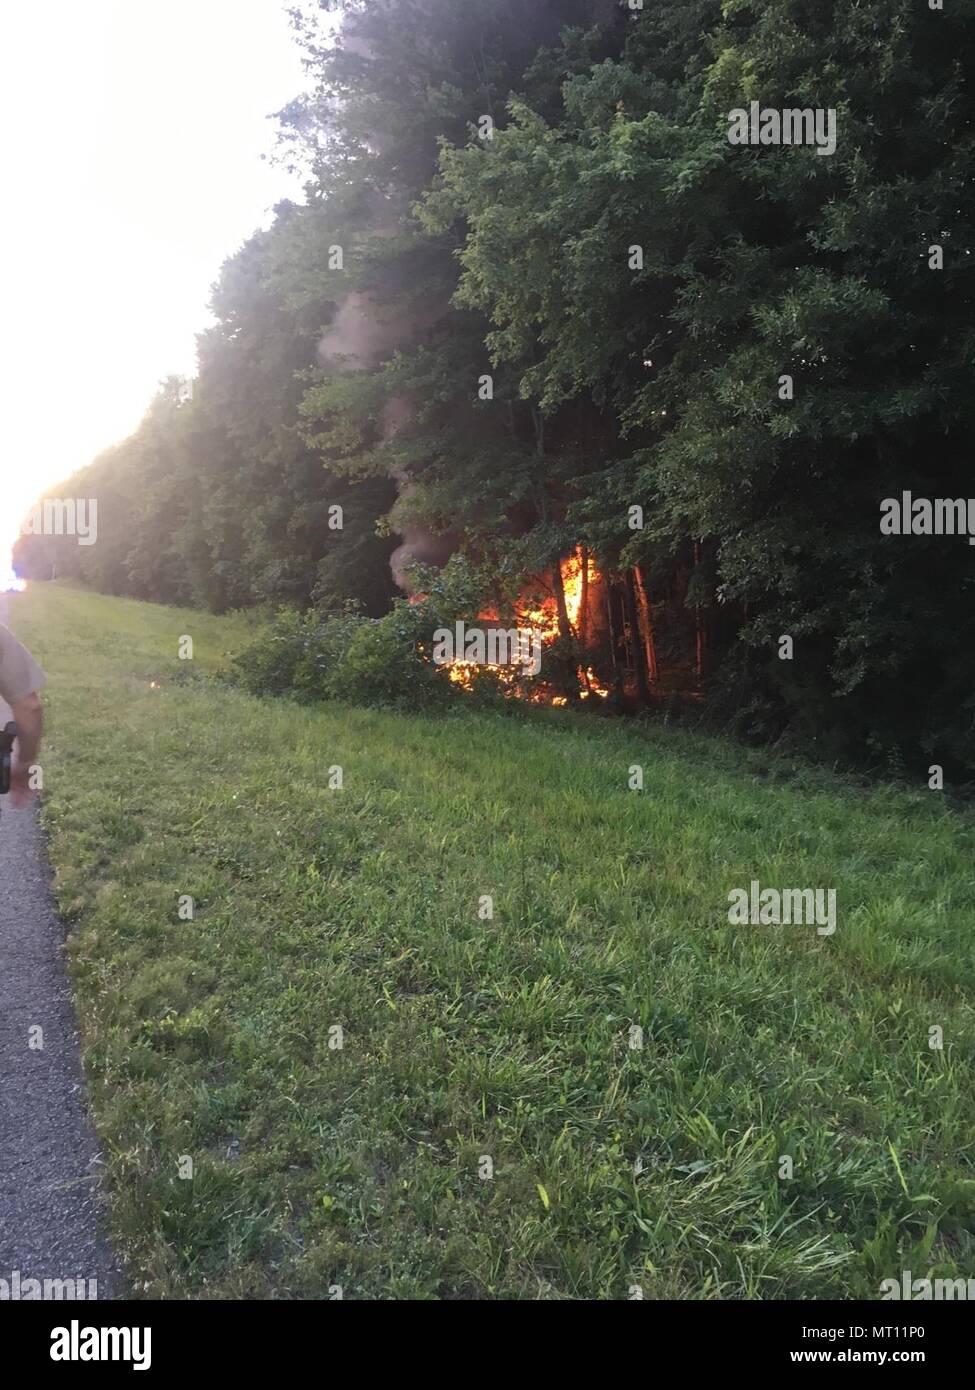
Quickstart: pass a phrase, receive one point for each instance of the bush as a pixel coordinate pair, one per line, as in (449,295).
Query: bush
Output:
(344,655)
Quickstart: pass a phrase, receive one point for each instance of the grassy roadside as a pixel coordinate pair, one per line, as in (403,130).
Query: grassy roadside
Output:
(316,1166)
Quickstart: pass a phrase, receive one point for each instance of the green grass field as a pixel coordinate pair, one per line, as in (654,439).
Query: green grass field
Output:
(614,1166)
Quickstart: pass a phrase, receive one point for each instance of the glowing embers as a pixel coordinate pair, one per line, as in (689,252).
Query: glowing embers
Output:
(537,623)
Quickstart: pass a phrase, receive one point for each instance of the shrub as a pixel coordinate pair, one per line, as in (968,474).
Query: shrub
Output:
(344,655)
(323,655)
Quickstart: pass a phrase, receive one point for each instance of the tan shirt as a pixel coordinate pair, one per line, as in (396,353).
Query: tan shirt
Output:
(19,672)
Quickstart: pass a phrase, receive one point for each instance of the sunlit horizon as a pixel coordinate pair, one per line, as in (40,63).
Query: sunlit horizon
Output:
(135,136)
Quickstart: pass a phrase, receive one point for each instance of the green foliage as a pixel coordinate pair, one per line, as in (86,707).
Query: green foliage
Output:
(323,656)
(758,263)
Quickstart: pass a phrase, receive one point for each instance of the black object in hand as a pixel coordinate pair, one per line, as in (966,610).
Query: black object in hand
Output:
(7,737)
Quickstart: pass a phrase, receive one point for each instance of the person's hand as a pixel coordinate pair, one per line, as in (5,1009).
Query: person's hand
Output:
(21,792)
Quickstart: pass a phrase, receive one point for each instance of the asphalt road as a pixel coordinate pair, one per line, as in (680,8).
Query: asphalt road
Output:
(51,1217)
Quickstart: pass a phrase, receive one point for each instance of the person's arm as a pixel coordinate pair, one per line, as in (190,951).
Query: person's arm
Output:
(28,713)
(20,680)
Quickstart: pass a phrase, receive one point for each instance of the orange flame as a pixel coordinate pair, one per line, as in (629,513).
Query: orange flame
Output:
(543,617)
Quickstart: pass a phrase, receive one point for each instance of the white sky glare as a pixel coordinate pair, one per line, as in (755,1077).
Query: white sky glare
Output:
(132,135)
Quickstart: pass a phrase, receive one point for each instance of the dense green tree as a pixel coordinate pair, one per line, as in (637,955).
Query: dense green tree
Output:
(760,263)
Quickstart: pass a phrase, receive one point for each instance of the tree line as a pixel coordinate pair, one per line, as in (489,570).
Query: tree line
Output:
(537,304)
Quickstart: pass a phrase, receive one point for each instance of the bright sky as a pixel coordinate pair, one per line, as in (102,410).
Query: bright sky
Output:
(132,135)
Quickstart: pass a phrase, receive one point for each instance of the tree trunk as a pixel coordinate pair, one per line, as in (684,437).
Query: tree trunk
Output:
(698,622)
(644,599)
(565,627)
(615,637)
(636,643)
(612,624)
(584,599)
